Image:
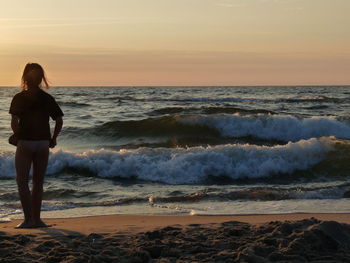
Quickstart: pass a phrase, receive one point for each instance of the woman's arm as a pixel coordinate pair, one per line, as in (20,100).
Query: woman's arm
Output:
(58,128)
(14,123)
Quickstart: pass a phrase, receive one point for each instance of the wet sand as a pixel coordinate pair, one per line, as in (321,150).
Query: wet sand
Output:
(136,238)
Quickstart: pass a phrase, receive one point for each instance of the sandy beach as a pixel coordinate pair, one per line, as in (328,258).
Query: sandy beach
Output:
(138,238)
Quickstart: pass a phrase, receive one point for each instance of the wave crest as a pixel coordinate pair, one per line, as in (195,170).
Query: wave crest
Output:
(277,127)
(195,165)
(199,164)
(282,128)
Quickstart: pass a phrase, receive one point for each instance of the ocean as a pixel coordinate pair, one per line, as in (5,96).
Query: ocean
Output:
(191,150)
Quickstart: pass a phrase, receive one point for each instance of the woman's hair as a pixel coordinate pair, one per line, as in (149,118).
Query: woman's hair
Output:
(34,76)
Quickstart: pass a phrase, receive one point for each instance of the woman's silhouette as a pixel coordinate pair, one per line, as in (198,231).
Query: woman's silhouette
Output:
(31,110)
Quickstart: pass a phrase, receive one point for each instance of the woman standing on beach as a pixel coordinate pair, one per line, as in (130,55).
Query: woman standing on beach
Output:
(31,110)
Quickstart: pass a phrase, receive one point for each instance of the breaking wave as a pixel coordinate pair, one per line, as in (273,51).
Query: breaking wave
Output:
(198,164)
(209,110)
(282,128)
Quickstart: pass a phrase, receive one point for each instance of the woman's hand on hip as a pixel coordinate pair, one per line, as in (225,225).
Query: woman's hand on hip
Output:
(53,143)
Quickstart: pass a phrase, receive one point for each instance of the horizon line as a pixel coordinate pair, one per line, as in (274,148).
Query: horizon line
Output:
(267,85)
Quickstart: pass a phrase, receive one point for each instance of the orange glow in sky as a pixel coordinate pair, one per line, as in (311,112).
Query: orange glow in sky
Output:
(182,42)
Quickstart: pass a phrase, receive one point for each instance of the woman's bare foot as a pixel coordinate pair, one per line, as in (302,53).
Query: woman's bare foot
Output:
(25,224)
(39,224)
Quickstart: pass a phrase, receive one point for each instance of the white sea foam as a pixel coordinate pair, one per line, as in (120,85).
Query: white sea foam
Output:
(192,165)
(206,99)
(276,127)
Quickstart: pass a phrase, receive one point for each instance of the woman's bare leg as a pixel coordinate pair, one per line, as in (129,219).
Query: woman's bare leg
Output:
(40,161)
(23,160)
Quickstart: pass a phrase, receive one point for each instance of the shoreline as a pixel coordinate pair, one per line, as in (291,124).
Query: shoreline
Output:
(141,223)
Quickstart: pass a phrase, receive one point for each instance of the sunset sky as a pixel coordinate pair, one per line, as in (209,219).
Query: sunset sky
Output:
(177,42)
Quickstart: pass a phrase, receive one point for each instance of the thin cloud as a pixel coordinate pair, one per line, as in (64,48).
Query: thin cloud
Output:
(242,3)
(68,19)
(59,24)
(64,22)
(280,1)
(229,4)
